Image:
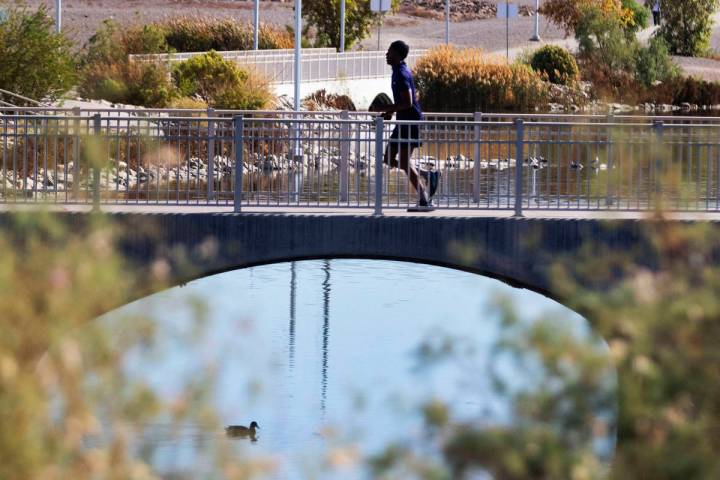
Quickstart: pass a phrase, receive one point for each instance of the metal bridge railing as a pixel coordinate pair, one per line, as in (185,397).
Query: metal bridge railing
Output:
(548,163)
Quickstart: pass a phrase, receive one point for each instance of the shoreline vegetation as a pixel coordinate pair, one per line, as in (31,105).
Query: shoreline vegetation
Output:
(611,72)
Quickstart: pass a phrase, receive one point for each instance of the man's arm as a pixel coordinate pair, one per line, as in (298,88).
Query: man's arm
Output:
(405,103)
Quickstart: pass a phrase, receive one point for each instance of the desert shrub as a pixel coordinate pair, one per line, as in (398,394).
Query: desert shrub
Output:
(35,61)
(557,63)
(322,100)
(653,63)
(450,79)
(221,83)
(145,39)
(687,25)
(133,83)
(188,103)
(109,74)
(696,91)
(568,14)
(609,83)
(195,34)
(105,45)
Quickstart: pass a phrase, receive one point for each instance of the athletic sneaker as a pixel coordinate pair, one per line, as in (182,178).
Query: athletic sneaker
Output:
(424,200)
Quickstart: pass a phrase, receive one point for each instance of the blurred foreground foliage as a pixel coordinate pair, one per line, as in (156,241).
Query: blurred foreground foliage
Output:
(68,406)
(653,385)
(50,291)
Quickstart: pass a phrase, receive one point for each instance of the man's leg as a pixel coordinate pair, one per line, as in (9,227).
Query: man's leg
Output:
(390,158)
(405,154)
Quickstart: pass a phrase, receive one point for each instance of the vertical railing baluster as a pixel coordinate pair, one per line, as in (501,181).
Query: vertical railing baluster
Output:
(519,147)
(238,126)
(608,133)
(379,129)
(97,162)
(76,153)
(658,127)
(211,156)
(344,155)
(477,117)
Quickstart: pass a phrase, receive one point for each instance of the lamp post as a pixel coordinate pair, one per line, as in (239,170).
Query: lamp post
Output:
(298,41)
(536,36)
(58,15)
(256,25)
(342,25)
(447,22)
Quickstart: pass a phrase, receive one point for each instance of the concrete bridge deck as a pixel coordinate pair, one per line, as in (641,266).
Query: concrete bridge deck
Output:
(368,212)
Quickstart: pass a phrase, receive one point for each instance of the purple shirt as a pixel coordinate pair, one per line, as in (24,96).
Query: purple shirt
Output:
(402,81)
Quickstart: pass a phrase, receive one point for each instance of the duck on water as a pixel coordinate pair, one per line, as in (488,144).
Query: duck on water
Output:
(243,431)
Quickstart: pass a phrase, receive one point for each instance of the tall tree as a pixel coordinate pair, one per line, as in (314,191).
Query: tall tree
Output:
(324,15)
(687,25)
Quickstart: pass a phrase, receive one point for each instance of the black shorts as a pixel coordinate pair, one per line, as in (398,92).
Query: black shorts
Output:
(407,135)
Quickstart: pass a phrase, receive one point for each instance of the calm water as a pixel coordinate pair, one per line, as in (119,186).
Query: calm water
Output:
(323,355)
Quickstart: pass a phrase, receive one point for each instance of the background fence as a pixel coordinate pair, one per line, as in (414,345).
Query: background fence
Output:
(334,159)
(317,64)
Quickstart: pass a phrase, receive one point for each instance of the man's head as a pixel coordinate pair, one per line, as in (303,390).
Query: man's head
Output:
(397,53)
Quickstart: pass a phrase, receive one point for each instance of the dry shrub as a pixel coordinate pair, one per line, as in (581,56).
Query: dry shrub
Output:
(679,90)
(188,103)
(611,84)
(420,12)
(466,80)
(322,100)
(196,34)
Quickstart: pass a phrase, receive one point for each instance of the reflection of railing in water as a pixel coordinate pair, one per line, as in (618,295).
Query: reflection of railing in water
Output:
(618,165)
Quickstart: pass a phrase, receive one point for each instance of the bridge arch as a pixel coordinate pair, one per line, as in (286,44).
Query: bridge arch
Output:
(519,252)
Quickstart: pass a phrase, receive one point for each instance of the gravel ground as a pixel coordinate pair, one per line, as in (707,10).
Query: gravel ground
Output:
(82,18)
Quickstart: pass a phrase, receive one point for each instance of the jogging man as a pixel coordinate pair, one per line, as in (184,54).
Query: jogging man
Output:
(404,138)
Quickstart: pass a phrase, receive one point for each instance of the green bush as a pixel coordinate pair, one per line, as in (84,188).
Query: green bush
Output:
(133,83)
(108,73)
(687,25)
(195,34)
(35,61)
(145,39)
(221,83)
(453,80)
(557,63)
(653,63)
